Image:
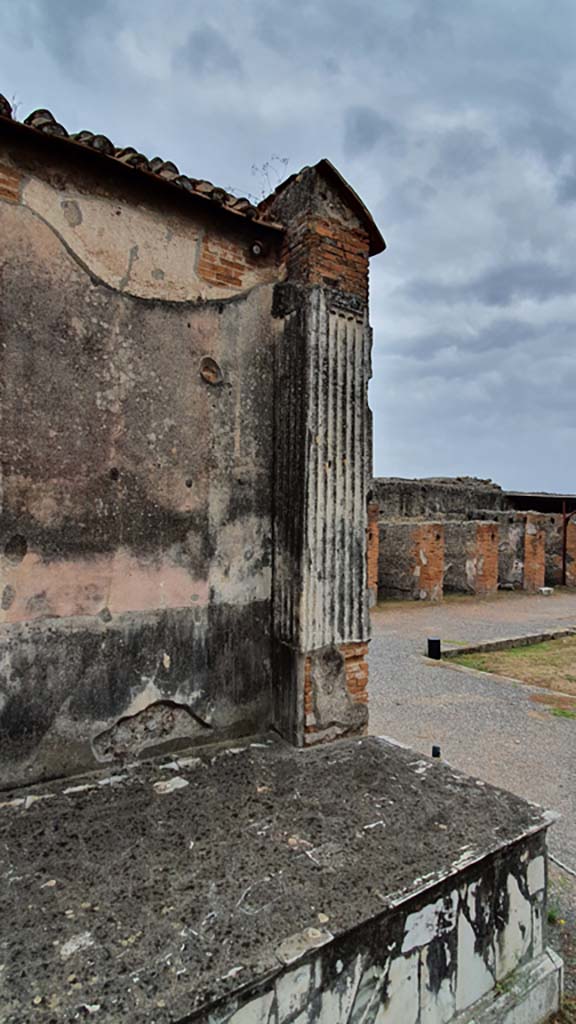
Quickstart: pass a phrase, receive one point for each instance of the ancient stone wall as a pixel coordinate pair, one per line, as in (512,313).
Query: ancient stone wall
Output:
(182,385)
(137,457)
(434,498)
(554,530)
(471,557)
(534,552)
(411,560)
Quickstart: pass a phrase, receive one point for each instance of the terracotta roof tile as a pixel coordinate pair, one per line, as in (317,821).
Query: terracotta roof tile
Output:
(45,122)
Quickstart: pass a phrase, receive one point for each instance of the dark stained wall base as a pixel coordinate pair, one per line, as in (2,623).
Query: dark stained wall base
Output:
(82,692)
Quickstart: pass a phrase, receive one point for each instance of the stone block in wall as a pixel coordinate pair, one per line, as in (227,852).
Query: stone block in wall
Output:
(471,557)
(411,560)
(436,498)
(512,526)
(571,553)
(553,526)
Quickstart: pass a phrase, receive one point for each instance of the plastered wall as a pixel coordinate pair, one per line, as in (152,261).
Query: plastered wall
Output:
(137,364)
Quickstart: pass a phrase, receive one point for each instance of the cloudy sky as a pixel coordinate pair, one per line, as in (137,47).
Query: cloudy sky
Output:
(456,122)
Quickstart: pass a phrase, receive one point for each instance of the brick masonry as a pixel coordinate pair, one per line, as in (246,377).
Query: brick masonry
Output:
(225,261)
(471,557)
(324,251)
(534,553)
(372,545)
(411,560)
(10,181)
(487,558)
(428,561)
(355,667)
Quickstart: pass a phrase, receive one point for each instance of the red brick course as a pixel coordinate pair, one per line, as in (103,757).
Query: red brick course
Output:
(321,251)
(487,558)
(372,549)
(224,261)
(427,552)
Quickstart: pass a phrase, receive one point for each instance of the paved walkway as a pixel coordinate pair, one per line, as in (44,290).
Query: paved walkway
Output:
(491,729)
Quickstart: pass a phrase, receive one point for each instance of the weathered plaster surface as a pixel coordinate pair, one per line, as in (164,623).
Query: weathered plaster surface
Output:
(264,885)
(136,514)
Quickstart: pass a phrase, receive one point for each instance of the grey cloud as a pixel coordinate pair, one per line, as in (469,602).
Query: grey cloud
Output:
(500,286)
(408,200)
(462,151)
(454,121)
(502,334)
(65,26)
(566,187)
(364,127)
(207,52)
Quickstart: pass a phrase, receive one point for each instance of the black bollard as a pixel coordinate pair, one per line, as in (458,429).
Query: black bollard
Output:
(434,648)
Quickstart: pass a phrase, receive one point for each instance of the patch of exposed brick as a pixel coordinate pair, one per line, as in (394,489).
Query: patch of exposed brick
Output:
(223,261)
(427,550)
(9,184)
(372,546)
(356,675)
(321,251)
(534,553)
(355,655)
(487,558)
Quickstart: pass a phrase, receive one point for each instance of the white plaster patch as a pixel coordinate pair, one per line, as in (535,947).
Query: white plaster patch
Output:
(369,994)
(536,875)
(435,1007)
(473,979)
(402,1004)
(422,927)
(337,1002)
(170,785)
(82,941)
(514,940)
(254,1012)
(292,991)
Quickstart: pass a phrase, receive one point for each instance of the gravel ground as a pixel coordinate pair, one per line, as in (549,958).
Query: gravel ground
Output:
(491,729)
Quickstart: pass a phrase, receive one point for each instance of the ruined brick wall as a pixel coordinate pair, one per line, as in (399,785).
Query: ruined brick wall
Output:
(534,553)
(326,244)
(487,565)
(138,362)
(471,557)
(411,560)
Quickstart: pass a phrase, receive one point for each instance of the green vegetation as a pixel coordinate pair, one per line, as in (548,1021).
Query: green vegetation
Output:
(550,665)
